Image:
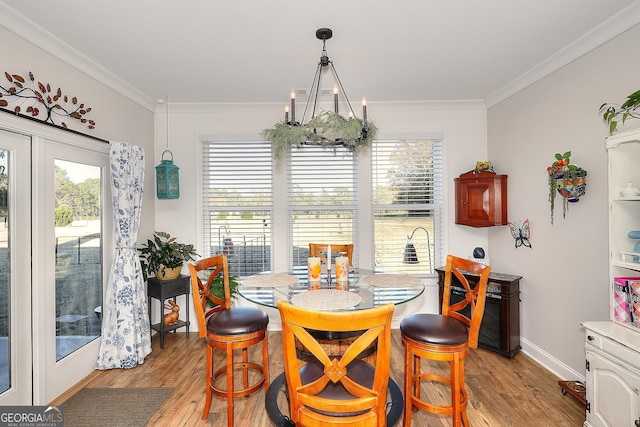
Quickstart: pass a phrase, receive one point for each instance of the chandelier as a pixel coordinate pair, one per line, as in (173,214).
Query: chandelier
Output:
(324,127)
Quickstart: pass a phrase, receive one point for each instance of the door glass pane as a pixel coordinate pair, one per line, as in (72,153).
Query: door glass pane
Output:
(5,289)
(78,234)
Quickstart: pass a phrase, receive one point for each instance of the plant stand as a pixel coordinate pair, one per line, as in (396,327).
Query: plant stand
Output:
(163,290)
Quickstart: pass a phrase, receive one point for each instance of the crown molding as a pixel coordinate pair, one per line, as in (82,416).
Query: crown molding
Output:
(611,28)
(31,32)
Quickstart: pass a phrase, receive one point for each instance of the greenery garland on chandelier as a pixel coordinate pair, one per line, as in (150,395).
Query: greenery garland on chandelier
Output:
(327,129)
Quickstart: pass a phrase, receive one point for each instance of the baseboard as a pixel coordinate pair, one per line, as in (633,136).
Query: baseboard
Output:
(550,363)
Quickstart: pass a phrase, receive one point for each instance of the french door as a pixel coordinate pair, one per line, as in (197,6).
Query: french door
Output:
(56,248)
(72,254)
(15,270)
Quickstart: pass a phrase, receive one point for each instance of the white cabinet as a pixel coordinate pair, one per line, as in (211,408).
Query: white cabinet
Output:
(613,347)
(613,377)
(623,150)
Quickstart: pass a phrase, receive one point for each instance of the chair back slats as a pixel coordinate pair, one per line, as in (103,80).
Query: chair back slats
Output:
(203,272)
(474,298)
(361,403)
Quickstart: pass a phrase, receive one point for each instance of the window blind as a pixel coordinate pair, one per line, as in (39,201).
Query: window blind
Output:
(407,198)
(238,203)
(322,194)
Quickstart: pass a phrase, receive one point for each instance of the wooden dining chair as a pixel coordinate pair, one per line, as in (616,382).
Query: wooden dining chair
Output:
(336,390)
(228,328)
(444,337)
(317,249)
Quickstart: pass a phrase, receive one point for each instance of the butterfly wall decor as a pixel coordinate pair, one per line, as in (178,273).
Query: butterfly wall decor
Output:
(521,232)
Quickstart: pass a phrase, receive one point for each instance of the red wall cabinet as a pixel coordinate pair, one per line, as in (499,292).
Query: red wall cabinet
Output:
(481,199)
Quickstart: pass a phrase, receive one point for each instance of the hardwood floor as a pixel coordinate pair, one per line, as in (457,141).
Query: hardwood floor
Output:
(502,391)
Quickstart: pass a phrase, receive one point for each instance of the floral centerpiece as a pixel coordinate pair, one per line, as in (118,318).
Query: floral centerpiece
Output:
(567,180)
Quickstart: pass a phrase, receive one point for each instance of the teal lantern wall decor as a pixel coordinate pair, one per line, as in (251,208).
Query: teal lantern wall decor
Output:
(167,174)
(167,178)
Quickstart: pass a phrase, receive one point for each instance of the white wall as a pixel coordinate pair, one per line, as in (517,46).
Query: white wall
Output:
(565,273)
(463,125)
(117,117)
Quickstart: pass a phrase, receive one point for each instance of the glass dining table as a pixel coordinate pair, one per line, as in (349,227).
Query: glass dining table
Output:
(365,289)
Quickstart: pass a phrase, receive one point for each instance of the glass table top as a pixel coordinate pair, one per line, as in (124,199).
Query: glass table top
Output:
(367,288)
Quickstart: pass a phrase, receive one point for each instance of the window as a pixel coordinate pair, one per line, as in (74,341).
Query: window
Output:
(322,194)
(238,203)
(407,199)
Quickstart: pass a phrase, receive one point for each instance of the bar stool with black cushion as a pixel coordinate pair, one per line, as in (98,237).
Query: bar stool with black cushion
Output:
(344,389)
(444,337)
(228,328)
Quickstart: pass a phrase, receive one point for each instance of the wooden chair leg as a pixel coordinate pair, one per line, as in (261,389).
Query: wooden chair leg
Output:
(456,402)
(265,363)
(245,369)
(417,372)
(463,395)
(408,386)
(229,354)
(209,394)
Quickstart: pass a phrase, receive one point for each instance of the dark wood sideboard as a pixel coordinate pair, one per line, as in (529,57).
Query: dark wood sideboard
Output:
(500,328)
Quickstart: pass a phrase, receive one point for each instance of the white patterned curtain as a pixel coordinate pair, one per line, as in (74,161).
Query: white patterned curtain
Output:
(126,338)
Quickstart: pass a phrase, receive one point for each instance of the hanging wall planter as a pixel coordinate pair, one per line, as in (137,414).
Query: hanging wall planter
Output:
(566,180)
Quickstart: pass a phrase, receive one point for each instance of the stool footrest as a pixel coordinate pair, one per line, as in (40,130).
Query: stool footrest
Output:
(247,389)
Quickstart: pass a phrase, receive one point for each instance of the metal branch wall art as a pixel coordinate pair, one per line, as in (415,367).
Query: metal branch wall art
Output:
(38,99)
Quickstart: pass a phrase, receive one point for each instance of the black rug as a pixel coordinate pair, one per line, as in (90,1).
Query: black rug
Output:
(113,407)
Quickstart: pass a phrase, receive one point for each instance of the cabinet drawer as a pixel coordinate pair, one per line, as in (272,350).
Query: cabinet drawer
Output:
(613,348)
(593,339)
(175,287)
(621,352)
(168,288)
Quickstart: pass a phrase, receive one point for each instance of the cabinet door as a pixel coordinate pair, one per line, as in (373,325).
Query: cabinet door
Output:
(477,201)
(612,393)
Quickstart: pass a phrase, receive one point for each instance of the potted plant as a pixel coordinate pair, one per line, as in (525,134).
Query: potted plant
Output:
(567,180)
(217,285)
(163,256)
(612,113)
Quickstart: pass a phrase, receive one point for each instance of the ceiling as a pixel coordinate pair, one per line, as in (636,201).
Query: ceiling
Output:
(257,50)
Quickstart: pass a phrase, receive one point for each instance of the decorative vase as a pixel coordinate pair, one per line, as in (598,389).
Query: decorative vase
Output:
(168,273)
